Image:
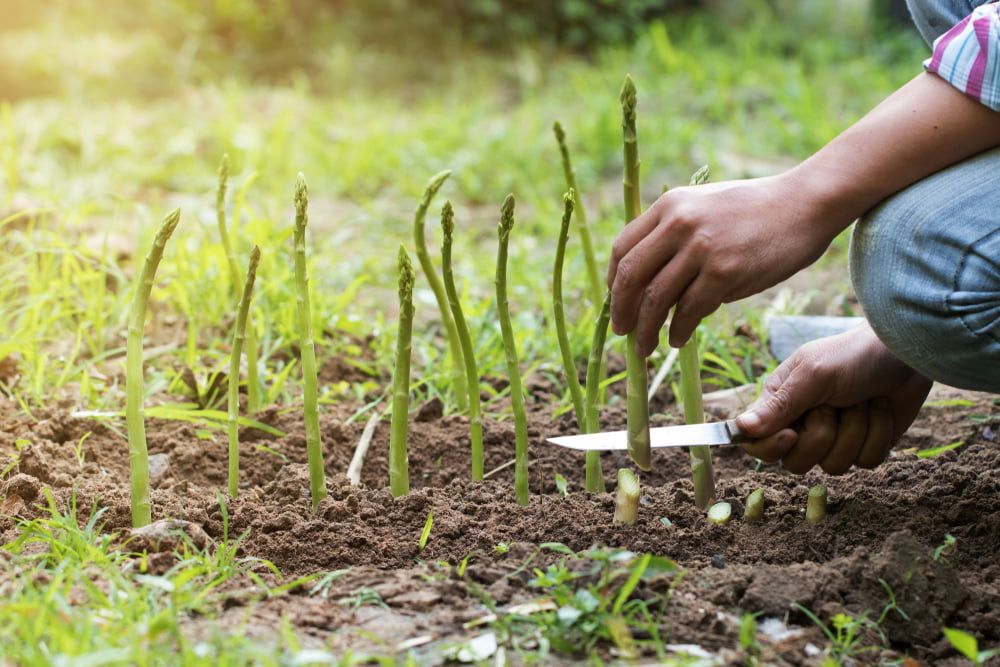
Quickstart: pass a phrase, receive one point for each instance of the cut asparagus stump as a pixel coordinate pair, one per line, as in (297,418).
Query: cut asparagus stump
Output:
(314,445)
(755,506)
(816,504)
(462,328)
(627,497)
(510,353)
(635,366)
(719,513)
(399,467)
(134,416)
(239,337)
(427,266)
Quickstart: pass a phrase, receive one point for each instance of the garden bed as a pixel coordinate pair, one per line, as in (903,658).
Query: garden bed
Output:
(883,526)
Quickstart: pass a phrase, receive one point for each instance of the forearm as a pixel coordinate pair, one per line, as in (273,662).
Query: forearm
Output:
(923,127)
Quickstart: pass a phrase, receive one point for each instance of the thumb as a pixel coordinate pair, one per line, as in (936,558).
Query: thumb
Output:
(790,391)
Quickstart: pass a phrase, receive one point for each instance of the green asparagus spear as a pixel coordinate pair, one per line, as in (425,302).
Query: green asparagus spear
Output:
(399,467)
(239,336)
(595,369)
(593,277)
(559,316)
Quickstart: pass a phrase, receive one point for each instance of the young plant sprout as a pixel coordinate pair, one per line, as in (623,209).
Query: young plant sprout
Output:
(720,513)
(253,381)
(627,497)
(755,506)
(134,418)
(462,328)
(702,472)
(593,277)
(559,316)
(635,366)
(510,352)
(239,337)
(816,504)
(595,366)
(314,446)
(399,467)
(451,331)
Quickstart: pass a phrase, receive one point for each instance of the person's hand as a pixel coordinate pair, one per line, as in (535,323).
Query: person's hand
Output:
(848,397)
(700,246)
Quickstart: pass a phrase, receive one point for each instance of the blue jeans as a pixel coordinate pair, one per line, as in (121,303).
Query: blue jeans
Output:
(925,264)
(933,18)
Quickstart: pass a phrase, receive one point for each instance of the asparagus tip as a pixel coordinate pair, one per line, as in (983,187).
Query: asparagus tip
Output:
(168,225)
(437,180)
(560,133)
(224,168)
(569,201)
(301,194)
(701,176)
(254,258)
(628,98)
(448,220)
(507,216)
(406,275)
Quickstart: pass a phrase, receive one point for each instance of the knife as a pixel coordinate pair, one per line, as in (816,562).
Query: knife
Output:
(716,433)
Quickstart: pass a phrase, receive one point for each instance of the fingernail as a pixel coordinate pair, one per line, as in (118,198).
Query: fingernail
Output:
(750,420)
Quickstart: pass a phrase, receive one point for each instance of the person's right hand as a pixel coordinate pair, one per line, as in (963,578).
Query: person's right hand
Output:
(847,396)
(700,246)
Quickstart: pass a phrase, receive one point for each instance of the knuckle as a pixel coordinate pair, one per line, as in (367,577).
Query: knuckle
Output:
(780,401)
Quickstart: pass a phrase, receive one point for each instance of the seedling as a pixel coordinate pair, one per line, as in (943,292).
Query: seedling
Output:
(239,337)
(510,352)
(134,417)
(816,504)
(314,446)
(561,485)
(755,506)
(702,473)
(627,497)
(968,646)
(399,467)
(451,331)
(425,533)
(946,548)
(635,365)
(462,329)
(719,513)
(593,277)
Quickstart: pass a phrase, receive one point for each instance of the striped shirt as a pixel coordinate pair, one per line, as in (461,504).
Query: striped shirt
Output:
(968,55)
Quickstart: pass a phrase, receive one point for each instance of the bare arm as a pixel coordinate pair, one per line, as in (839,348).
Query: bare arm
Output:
(698,247)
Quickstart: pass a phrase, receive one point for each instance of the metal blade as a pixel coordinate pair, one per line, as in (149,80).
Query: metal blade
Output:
(718,433)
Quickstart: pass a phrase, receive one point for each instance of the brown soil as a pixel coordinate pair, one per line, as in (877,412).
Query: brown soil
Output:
(882,525)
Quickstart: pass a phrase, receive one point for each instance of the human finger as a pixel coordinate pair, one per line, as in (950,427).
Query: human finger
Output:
(772,448)
(657,299)
(795,386)
(699,300)
(852,429)
(815,440)
(878,440)
(634,232)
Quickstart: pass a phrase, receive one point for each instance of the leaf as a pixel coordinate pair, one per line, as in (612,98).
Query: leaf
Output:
(951,403)
(938,451)
(963,642)
(426,532)
(558,547)
(633,580)
(561,485)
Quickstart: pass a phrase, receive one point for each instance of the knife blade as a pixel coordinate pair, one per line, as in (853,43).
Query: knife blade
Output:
(716,433)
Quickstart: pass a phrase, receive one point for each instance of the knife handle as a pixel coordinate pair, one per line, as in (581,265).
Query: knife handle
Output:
(736,434)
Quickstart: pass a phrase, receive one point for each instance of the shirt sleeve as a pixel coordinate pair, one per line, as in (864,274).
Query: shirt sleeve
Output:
(968,55)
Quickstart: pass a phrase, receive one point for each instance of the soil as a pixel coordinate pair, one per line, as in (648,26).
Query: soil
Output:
(881,532)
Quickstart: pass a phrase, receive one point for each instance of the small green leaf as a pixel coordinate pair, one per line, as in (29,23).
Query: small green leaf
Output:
(963,642)
(633,580)
(426,532)
(561,485)
(937,451)
(558,547)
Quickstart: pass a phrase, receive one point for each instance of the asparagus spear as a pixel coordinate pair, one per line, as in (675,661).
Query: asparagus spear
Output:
(595,365)
(134,419)
(702,473)
(559,315)
(399,467)
(755,506)
(451,331)
(635,365)
(513,369)
(593,277)
(471,371)
(816,504)
(314,446)
(627,497)
(239,336)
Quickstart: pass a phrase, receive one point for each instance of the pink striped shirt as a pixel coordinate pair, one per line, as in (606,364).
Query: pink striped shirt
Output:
(968,55)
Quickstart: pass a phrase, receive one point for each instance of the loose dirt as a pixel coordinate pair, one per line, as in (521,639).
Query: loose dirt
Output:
(880,535)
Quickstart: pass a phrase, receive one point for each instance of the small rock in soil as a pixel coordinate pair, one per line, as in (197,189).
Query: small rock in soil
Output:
(25,486)
(719,561)
(167,535)
(158,466)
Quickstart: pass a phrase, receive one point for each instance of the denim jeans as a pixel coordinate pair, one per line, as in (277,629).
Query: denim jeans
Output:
(925,264)
(933,18)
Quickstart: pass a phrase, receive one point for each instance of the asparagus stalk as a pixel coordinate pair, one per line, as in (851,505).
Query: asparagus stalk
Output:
(559,315)
(635,365)
(702,472)
(593,277)
(510,352)
(816,504)
(399,467)
(314,447)
(134,419)
(451,331)
(253,380)
(755,506)
(595,369)
(239,336)
(627,497)
(720,513)
(462,328)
